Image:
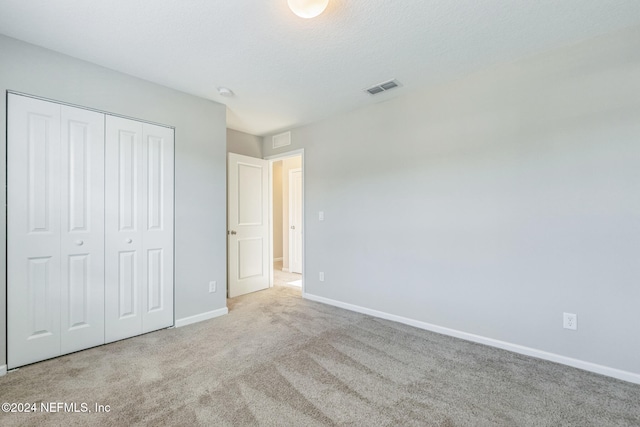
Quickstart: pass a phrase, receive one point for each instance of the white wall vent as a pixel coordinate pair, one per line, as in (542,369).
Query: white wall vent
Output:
(382,87)
(281,139)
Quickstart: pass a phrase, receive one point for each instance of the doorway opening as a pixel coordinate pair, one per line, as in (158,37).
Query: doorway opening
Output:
(287,219)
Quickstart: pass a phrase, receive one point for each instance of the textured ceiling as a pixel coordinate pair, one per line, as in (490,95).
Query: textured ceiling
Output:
(287,71)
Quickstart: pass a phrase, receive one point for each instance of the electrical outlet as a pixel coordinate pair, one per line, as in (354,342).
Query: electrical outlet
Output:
(570,321)
(212,286)
(321,276)
(321,216)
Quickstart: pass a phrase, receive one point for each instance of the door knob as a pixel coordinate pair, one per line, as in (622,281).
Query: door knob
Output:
(293,227)
(79,242)
(129,240)
(233,232)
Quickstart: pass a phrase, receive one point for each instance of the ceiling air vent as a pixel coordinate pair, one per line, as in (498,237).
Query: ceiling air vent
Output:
(281,139)
(384,86)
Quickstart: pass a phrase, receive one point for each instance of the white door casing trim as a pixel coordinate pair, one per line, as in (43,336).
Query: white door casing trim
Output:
(275,158)
(84,107)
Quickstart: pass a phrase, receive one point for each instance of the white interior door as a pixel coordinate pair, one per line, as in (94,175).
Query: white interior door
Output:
(295,221)
(157,221)
(123,236)
(248,221)
(33,230)
(55,229)
(90,229)
(82,231)
(139,228)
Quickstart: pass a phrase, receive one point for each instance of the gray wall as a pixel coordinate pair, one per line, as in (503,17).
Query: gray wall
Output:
(491,205)
(200,159)
(244,143)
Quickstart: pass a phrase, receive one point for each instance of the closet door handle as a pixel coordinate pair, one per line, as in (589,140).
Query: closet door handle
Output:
(79,242)
(129,240)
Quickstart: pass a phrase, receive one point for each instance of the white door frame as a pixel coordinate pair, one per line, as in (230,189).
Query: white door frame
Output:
(272,159)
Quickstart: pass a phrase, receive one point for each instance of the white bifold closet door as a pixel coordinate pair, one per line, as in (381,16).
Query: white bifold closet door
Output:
(90,229)
(139,228)
(55,251)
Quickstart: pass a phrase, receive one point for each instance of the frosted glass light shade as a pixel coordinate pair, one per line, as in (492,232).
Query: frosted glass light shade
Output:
(307,8)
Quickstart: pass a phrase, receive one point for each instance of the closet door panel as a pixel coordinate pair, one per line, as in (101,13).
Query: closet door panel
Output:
(123,236)
(157,220)
(90,229)
(82,215)
(33,230)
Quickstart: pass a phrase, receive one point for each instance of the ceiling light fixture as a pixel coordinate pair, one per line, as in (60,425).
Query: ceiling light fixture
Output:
(224,91)
(307,8)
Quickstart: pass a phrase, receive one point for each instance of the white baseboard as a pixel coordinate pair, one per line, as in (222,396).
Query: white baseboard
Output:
(286,270)
(516,348)
(201,317)
(277,259)
(3,370)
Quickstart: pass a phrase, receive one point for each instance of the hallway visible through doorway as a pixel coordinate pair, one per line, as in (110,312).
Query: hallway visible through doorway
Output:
(284,278)
(287,218)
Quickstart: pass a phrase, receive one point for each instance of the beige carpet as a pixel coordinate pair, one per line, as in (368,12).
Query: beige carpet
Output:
(277,359)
